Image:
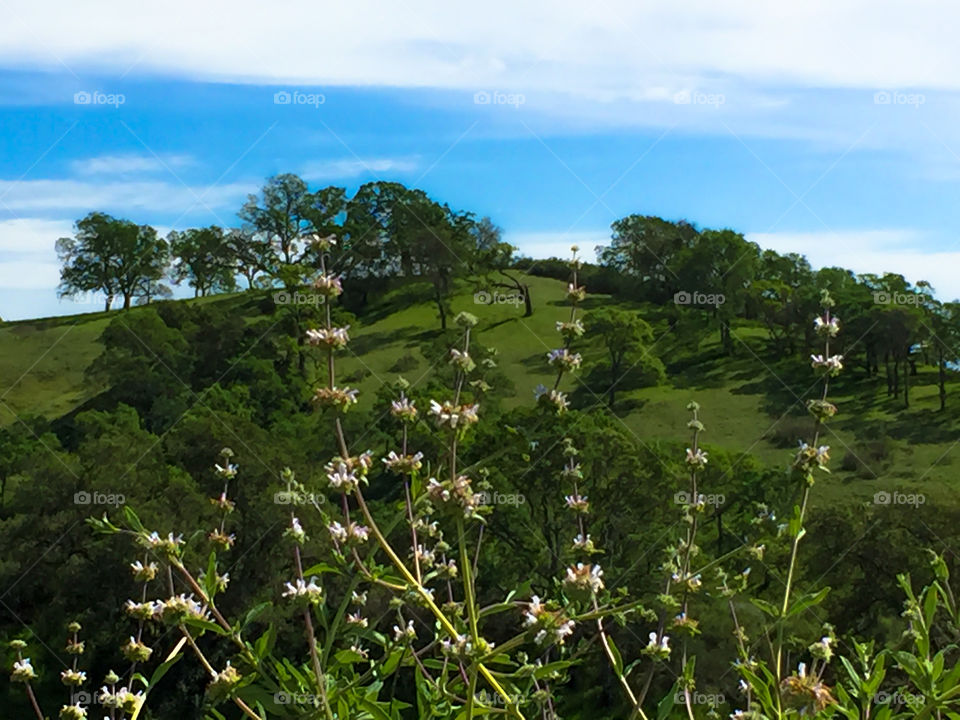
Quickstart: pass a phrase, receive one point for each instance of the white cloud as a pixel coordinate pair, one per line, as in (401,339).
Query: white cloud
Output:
(557,244)
(38,196)
(353,167)
(130,164)
(31,235)
(903,251)
(621,48)
(29,275)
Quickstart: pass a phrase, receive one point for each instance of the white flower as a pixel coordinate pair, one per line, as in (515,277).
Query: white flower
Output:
(228,471)
(337,531)
(563,359)
(334,338)
(356,619)
(342,479)
(403,409)
(696,459)
(832,364)
(299,589)
(23,671)
(827,328)
(577,503)
(584,577)
(452,415)
(404,634)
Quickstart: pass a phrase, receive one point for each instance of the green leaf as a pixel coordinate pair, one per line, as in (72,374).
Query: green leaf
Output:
(767,607)
(616,657)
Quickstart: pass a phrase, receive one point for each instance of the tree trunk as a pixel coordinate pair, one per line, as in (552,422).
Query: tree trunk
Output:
(942,379)
(527,302)
(906,385)
(126,300)
(108,302)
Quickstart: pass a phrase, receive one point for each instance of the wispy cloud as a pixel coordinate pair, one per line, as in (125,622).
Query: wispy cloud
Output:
(45,196)
(130,164)
(557,243)
(905,252)
(356,167)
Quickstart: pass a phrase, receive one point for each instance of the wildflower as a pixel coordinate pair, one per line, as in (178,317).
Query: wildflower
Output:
(169,545)
(403,409)
(684,622)
(139,611)
(552,625)
(333,338)
(696,459)
(821,409)
(301,590)
(576,294)
(563,359)
(328,285)
(571,472)
(806,692)
(23,671)
(832,365)
(827,327)
(296,531)
(570,330)
(339,398)
(226,471)
(225,681)
(358,533)
(223,503)
(136,651)
(425,556)
(584,578)
(551,397)
(72,712)
(452,416)
(407,634)
(74,647)
(322,243)
(403,464)
(823,650)
(356,619)
(808,457)
(359,651)
(578,503)
(447,570)
(583,543)
(466,320)
(337,531)
(358,598)
(658,647)
(342,478)
(177,608)
(461,360)
(221,539)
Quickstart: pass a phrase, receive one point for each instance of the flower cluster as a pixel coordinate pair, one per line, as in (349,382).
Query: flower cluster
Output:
(333,338)
(452,416)
(339,398)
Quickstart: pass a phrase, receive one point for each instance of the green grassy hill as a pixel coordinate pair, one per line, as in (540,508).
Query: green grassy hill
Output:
(752,401)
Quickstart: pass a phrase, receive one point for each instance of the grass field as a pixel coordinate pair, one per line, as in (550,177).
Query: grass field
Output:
(751,402)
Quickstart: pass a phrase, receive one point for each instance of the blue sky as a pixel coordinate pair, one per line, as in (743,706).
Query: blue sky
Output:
(826,130)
